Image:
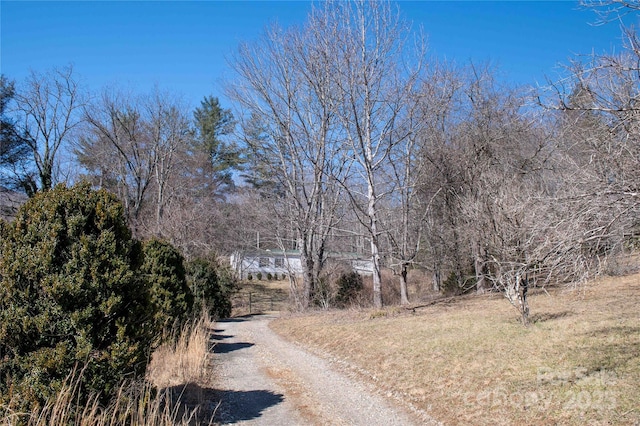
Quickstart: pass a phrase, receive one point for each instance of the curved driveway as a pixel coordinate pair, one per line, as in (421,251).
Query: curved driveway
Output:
(265,380)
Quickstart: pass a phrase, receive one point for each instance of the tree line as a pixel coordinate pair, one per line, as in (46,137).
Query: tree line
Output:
(349,137)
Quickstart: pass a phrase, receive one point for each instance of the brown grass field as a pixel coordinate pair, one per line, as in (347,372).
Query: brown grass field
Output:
(261,296)
(470,361)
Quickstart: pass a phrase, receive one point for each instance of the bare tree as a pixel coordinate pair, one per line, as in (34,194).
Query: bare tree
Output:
(498,196)
(169,135)
(376,76)
(610,10)
(289,126)
(597,110)
(133,145)
(442,178)
(542,204)
(408,207)
(120,131)
(48,107)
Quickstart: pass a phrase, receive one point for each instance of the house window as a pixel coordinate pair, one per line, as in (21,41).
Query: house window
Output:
(264,262)
(279,262)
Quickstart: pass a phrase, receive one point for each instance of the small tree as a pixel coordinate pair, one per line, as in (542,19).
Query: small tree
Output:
(349,288)
(164,269)
(212,286)
(70,296)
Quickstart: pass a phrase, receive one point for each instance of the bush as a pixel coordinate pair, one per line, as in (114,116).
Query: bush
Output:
(269,276)
(349,288)
(71,295)
(163,268)
(249,277)
(212,285)
(458,284)
(259,276)
(323,294)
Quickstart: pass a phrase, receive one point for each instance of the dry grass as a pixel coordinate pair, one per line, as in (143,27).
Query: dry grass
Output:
(265,285)
(135,404)
(176,392)
(261,296)
(186,361)
(183,372)
(470,361)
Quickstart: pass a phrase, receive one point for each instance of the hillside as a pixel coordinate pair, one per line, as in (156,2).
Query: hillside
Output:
(470,361)
(10,201)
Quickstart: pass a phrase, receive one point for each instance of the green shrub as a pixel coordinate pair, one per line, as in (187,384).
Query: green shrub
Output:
(259,276)
(163,268)
(458,283)
(249,277)
(349,288)
(269,276)
(71,295)
(212,285)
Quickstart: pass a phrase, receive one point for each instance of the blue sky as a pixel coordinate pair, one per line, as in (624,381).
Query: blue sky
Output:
(181,46)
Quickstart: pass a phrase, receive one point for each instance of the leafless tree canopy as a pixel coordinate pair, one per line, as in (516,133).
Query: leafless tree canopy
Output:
(444,167)
(48,109)
(347,137)
(148,151)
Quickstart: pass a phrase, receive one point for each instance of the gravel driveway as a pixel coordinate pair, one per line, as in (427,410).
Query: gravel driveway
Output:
(265,380)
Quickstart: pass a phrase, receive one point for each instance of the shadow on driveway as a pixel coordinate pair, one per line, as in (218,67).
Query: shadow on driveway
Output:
(221,406)
(220,336)
(225,348)
(241,318)
(238,406)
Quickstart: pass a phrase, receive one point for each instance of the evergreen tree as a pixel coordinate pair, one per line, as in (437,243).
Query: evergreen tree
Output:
(13,148)
(164,268)
(71,297)
(221,157)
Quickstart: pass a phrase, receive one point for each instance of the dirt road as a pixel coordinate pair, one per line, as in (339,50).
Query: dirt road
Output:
(265,380)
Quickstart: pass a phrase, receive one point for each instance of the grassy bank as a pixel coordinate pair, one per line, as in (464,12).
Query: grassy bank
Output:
(259,296)
(469,361)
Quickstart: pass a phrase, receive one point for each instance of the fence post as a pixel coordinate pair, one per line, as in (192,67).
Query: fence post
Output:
(249,303)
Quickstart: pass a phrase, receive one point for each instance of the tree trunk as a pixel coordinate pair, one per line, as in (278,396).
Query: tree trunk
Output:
(436,280)
(479,266)
(404,299)
(516,293)
(308,280)
(524,303)
(375,252)
(377,276)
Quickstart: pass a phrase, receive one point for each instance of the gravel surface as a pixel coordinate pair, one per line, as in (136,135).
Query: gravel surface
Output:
(264,380)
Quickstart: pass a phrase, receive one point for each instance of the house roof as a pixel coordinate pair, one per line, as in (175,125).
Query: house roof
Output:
(269,252)
(296,253)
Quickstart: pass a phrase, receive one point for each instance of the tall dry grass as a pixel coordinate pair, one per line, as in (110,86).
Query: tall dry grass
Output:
(175,392)
(136,403)
(187,360)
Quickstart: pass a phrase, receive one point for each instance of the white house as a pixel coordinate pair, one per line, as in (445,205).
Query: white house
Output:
(279,263)
(274,262)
